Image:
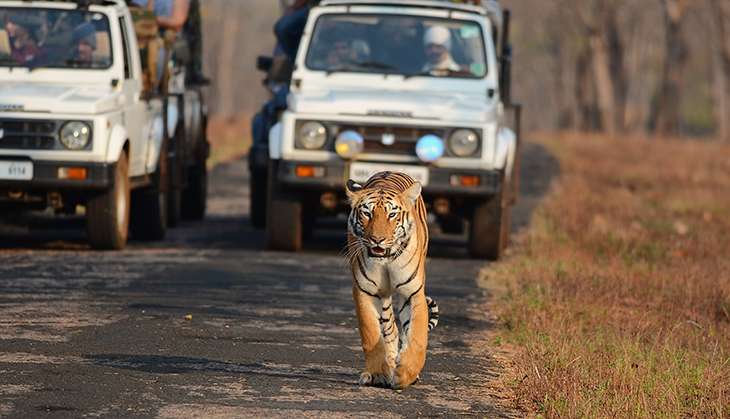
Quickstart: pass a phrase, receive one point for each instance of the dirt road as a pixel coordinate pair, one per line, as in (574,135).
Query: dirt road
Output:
(208,324)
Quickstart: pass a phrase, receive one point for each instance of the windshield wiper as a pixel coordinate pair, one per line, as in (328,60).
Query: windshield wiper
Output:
(78,63)
(9,62)
(374,64)
(361,65)
(420,73)
(446,72)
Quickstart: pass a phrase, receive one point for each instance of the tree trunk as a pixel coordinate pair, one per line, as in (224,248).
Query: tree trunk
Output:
(586,116)
(665,115)
(604,82)
(603,59)
(720,12)
(618,70)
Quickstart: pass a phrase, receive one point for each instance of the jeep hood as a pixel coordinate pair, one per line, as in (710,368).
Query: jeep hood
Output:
(402,104)
(58,98)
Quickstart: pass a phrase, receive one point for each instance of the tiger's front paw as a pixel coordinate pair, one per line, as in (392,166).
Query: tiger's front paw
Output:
(404,378)
(376,379)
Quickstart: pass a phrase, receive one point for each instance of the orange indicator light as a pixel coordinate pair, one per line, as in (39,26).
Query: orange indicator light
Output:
(469,181)
(72,173)
(309,171)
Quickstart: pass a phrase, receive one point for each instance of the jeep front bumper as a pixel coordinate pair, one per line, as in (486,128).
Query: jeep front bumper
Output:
(47,177)
(331,176)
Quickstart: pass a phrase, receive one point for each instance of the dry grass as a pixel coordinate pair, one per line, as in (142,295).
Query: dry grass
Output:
(230,138)
(618,296)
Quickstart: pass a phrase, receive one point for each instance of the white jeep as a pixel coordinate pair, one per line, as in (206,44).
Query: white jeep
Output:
(80,131)
(420,87)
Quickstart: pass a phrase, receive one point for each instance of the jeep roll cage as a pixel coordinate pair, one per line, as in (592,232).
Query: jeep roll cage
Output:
(499,17)
(489,8)
(84,4)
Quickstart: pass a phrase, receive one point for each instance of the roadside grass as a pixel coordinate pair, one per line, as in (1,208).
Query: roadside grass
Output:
(616,301)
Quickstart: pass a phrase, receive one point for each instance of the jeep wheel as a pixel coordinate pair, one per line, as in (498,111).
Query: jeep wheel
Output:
(174,204)
(257,198)
(489,229)
(149,205)
(107,214)
(194,199)
(284,223)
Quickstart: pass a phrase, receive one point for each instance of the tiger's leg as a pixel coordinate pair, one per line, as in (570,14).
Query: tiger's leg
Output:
(414,318)
(368,308)
(390,332)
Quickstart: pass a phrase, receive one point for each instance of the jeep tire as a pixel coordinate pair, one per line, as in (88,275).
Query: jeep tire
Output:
(489,228)
(194,199)
(174,196)
(107,214)
(284,218)
(258,195)
(149,204)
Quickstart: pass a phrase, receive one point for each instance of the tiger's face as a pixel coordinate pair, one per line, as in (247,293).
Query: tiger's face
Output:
(381,219)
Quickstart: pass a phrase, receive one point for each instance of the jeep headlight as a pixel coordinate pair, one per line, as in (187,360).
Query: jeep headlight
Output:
(312,135)
(463,143)
(75,135)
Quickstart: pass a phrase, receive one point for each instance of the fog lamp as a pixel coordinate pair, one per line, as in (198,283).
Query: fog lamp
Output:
(430,148)
(349,144)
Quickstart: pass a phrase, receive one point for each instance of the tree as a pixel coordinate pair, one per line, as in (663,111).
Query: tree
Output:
(600,99)
(665,113)
(720,13)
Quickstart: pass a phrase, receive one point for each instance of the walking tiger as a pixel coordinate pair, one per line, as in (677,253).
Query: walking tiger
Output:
(387,242)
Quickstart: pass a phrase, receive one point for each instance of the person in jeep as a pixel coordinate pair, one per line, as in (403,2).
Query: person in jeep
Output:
(84,37)
(437,45)
(24,47)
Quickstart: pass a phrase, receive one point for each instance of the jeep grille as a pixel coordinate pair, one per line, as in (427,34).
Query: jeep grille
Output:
(405,138)
(31,134)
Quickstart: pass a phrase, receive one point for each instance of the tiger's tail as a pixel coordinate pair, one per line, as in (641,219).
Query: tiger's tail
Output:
(433,313)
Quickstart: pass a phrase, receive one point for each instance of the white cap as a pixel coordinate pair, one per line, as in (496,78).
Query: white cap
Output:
(437,35)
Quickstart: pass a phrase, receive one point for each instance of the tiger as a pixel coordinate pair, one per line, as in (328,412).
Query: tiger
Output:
(387,242)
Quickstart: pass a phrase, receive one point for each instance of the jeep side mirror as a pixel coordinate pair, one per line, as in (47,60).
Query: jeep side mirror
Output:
(264,63)
(281,69)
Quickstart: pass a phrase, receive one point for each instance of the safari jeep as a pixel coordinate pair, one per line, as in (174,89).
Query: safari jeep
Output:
(82,130)
(419,87)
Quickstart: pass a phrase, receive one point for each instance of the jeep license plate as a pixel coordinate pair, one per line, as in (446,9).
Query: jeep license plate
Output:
(361,172)
(16,170)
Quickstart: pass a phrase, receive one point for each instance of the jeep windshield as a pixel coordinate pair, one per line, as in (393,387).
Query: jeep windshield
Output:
(54,38)
(397,44)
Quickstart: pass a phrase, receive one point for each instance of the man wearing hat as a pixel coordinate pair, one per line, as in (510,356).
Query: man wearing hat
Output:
(437,44)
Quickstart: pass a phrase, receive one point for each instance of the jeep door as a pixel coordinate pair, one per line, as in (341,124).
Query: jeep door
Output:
(135,109)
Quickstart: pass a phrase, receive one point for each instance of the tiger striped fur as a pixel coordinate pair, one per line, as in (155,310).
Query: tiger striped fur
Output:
(387,242)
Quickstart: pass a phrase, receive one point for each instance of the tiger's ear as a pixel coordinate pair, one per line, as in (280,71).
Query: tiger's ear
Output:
(411,194)
(353,190)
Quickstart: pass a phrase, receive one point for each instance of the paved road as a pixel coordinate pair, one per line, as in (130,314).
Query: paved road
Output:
(89,334)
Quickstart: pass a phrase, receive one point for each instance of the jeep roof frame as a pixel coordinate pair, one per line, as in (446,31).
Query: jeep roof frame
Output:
(489,8)
(84,4)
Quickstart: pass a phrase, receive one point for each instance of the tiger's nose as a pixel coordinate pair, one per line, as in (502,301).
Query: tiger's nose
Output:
(375,241)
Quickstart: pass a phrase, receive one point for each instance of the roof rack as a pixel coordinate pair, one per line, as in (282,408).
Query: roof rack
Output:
(84,4)
(490,8)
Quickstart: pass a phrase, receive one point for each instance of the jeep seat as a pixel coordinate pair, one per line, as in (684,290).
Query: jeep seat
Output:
(103,49)
(4,43)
